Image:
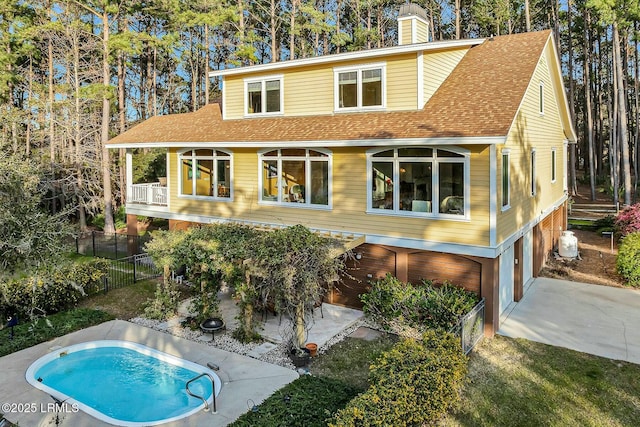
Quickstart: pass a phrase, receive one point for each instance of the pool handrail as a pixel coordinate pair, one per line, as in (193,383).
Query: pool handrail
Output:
(213,387)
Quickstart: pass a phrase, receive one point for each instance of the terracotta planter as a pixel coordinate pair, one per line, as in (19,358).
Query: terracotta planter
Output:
(313,348)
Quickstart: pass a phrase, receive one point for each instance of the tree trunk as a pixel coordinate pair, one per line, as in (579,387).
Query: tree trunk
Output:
(109,225)
(299,326)
(457,13)
(622,114)
(587,96)
(527,17)
(273,31)
(573,183)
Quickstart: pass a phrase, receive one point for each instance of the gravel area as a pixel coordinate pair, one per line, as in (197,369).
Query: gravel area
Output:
(224,341)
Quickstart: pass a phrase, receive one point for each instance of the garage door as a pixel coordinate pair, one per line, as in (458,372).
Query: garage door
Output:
(506,279)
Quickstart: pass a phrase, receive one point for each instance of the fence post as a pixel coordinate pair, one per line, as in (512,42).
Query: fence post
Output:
(93,243)
(135,273)
(115,241)
(106,284)
(77,244)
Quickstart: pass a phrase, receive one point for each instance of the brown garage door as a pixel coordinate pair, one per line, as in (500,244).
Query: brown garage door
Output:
(376,261)
(441,267)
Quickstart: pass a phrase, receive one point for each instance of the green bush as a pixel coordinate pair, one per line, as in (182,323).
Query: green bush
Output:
(308,401)
(414,384)
(51,289)
(628,260)
(394,303)
(165,302)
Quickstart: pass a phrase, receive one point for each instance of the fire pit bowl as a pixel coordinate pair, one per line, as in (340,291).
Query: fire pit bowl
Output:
(212,325)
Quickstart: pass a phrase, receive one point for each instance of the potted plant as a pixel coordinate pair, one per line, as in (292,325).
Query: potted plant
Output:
(299,356)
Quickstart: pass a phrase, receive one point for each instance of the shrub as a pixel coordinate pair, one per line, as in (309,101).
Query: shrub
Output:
(413,384)
(396,305)
(165,302)
(51,289)
(628,260)
(308,401)
(628,220)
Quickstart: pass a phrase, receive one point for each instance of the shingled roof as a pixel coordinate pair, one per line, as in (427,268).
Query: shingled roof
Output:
(480,98)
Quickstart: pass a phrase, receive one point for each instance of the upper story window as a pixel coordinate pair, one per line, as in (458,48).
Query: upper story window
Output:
(541,99)
(205,173)
(360,87)
(533,172)
(295,177)
(264,96)
(554,166)
(419,181)
(506,179)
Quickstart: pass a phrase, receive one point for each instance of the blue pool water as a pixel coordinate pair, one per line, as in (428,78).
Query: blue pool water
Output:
(122,383)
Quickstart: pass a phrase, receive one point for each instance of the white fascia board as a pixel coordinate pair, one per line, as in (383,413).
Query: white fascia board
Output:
(472,140)
(346,56)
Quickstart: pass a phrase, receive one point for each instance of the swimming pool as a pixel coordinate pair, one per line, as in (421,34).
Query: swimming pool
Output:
(123,383)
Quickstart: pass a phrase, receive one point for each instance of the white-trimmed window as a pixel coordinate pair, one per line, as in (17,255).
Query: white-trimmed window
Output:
(425,181)
(264,96)
(554,164)
(541,98)
(295,176)
(533,172)
(506,179)
(360,88)
(206,173)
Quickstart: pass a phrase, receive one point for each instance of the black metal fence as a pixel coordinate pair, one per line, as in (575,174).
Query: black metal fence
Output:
(470,328)
(110,245)
(127,271)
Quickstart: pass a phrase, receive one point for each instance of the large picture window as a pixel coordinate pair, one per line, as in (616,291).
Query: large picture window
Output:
(205,173)
(295,176)
(264,96)
(360,87)
(419,181)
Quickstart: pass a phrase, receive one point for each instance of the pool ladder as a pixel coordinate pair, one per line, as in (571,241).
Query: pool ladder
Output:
(213,391)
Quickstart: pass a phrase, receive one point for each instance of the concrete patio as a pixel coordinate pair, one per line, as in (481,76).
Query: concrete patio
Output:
(326,322)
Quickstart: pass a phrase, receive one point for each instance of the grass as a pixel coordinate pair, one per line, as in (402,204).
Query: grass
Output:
(515,382)
(308,401)
(29,334)
(349,360)
(123,303)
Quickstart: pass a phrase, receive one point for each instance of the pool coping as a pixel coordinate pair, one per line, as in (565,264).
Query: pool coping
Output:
(245,381)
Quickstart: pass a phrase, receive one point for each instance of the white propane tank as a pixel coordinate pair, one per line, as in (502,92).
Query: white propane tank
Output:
(568,246)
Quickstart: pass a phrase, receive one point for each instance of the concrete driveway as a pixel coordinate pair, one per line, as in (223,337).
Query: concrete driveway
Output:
(593,319)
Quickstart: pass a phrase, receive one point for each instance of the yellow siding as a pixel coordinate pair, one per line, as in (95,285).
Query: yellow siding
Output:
(349,202)
(316,83)
(406,31)
(422,32)
(437,67)
(542,132)
(402,83)
(233,97)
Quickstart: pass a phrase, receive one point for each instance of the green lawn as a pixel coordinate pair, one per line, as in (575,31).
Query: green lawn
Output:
(123,303)
(29,334)
(522,383)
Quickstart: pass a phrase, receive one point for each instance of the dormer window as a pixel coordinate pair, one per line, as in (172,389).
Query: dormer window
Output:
(264,96)
(360,88)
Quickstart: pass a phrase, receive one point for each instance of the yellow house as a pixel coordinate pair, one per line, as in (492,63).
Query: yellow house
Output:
(441,160)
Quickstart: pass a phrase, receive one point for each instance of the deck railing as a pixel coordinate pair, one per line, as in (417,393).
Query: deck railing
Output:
(149,194)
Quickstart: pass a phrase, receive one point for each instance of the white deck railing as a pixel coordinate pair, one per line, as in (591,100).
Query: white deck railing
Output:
(149,194)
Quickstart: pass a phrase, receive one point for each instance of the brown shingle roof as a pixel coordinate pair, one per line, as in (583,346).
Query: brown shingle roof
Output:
(480,98)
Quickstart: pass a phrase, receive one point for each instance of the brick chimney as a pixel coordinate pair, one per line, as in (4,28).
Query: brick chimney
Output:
(413,25)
